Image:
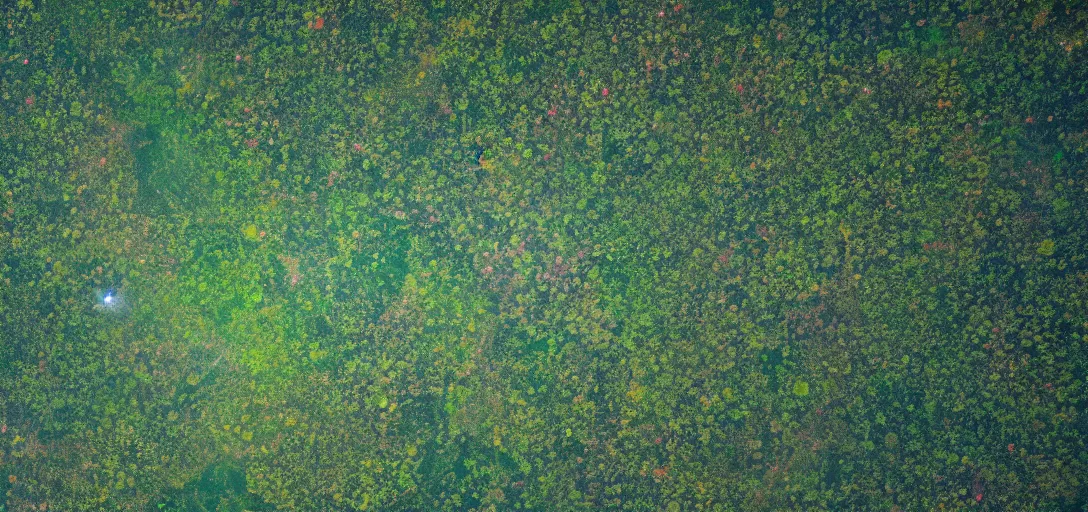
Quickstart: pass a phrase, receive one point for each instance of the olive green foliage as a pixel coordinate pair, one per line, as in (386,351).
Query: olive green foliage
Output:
(543,255)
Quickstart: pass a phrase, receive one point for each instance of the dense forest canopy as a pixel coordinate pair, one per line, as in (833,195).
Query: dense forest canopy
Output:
(543,255)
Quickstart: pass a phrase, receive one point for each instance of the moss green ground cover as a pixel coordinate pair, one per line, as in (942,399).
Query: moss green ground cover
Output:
(543,255)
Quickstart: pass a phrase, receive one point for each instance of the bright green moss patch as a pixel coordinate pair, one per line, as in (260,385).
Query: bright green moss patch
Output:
(800,388)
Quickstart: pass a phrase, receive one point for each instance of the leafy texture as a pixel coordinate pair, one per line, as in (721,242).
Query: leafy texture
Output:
(543,255)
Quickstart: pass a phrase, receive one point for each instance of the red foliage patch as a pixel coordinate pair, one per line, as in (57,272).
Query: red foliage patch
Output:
(937,246)
(723,258)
